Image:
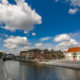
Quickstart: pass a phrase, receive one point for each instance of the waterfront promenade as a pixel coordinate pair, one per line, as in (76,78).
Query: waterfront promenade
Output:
(60,63)
(63,63)
(2,76)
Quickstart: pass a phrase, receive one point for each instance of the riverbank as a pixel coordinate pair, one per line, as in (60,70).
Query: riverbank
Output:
(63,63)
(32,71)
(2,72)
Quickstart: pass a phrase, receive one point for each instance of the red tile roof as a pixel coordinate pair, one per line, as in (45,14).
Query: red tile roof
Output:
(76,49)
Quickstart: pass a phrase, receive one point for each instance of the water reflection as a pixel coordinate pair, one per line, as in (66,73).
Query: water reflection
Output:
(13,70)
(67,74)
(26,71)
(40,72)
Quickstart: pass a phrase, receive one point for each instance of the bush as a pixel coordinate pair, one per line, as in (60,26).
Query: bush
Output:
(1,54)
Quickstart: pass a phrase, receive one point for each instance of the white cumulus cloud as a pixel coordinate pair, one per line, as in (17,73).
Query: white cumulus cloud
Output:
(65,42)
(38,45)
(33,34)
(74,6)
(45,38)
(18,16)
(73,11)
(25,32)
(62,37)
(24,48)
(16,42)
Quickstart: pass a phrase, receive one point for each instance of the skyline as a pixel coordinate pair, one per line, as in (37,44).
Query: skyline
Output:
(39,24)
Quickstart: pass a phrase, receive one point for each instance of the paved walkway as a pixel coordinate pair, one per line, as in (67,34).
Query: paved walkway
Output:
(64,63)
(2,76)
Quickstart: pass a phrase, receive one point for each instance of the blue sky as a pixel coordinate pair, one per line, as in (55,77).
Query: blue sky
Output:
(52,22)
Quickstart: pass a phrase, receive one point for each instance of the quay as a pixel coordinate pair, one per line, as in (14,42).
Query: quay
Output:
(2,72)
(59,63)
(63,63)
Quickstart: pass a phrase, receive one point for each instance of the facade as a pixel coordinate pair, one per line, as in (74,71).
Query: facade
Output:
(23,54)
(38,55)
(30,55)
(73,54)
(41,55)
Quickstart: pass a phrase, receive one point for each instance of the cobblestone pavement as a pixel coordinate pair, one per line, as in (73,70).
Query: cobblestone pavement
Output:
(2,76)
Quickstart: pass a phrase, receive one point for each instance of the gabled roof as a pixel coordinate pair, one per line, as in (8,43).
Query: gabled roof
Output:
(76,49)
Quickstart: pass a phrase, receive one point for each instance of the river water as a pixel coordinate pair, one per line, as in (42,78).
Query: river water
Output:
(30,71)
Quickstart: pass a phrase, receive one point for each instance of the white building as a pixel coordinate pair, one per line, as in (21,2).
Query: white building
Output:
(73,54)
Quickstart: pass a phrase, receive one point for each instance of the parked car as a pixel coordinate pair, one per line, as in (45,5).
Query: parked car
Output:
(8,57)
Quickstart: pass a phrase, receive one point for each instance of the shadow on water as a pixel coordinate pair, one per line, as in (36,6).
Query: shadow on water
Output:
(32,71)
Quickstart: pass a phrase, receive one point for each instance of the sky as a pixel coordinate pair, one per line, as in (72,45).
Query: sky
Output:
(44,24)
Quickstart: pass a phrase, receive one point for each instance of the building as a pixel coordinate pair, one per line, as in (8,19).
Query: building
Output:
(23,54)
(41,55)
(73,54)
(30,55)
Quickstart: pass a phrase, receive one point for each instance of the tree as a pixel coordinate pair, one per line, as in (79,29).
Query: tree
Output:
(61,55)
(54,56)
(1,54)
(74,55)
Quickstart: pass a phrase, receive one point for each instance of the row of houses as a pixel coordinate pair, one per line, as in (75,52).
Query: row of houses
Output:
(72,54)
(41,54)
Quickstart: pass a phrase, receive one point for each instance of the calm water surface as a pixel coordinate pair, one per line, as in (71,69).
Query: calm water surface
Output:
(26,71)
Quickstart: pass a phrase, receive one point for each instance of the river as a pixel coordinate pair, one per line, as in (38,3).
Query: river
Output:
(30,71)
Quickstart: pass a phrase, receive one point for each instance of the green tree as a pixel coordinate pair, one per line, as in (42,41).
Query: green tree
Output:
(1,54)
(74,55)
(62,55)
(54,56)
